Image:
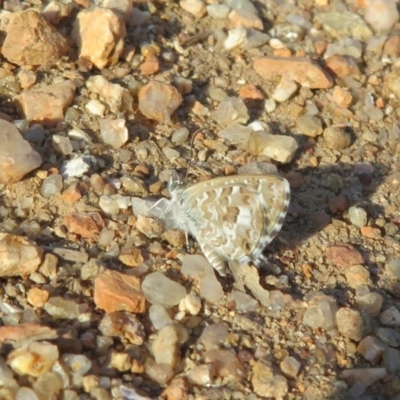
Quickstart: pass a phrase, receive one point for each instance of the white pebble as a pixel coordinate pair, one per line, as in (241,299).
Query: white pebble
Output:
(285,90)
(236,37)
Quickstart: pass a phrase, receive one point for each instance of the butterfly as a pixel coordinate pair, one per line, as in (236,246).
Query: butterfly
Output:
(233,218)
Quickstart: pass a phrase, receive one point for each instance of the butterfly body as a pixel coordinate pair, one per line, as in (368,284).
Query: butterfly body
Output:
(233,217)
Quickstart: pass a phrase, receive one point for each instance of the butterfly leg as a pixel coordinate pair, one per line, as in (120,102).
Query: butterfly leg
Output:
(214,259)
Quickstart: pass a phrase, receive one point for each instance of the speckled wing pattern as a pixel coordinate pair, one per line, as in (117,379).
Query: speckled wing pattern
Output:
(233,217)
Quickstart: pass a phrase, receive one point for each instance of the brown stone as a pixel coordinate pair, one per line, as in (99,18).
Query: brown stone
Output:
(341,97)
(344,255)
(246,19)
(370,232)
(31,40)
(99,34)
(18,256)
(48,103)
(86,225)
(392,46)
(114,291)
(37,297)
(301,70)
(249,91)
(131,257)
(71,195)
(26,331)
(151,65)
(341,66)
(357,275)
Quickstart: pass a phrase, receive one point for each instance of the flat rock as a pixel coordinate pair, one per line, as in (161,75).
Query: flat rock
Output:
(344,255)
(18,256)
(301,70)
(48,103)
(118,292)
(99,34)
(86,225)
(28,331)
(17,158)
(31,40)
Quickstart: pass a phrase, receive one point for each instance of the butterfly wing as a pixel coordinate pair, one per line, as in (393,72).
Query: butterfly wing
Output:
(236,217)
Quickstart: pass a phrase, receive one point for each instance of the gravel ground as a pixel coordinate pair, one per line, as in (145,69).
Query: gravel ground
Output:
(100,297)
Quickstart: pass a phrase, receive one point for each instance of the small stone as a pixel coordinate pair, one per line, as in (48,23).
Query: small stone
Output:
(390,317)
(392,46)
(190,304)
(114,291)
(76,167)
(337,204)
(175,237)
(225,363)
(180,136)
(351,324)
(344,255)
(62,144)
(218,11)
(337,138)
(231,109)
(199,268)
(214,335)
(290,367)
(131,257)
(310,125)
(300,70)
(160,373)
(117,97)
(236,37)
(86,225)
(370,232)
(240,17)
(267,382)
(37,297)
(236,134)
(341,97)
(370,303)
(120,361)
(26,332)
(108,29)
(361,378)
(357,275)
(71,195)
(158,289)
(159,316)
(17,158)
(114,132)
(394,267)
(371,348)
(381,14)
(150,227)
(244,303)
(389,336)
(47,103)
(52,186)
(96,107)
(123,324)
(27,78)
(341,65)
(167,344)
(151,65)
(77,365)
(158,100)
(280,148)
(321,312)
(201,375)
(391,360)
(194,7)
(18,256)
(358,216)
(31,40)
(34,359)
(60,308)
(284,91)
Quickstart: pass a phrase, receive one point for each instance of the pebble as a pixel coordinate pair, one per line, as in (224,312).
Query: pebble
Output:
(76,167)
(114,291)
(194,7)
(190,304)
(159,316)
(78,365)
(31,40)
(344,23)
(337,138)
(114,132)
(381,14)
(158,289)
(87,225)
(341,66)
(225,363)
(236,37)
(321,312)
(267,382)
(17,158)
(60,308)
(33,359)
(370,303)
(122,324)
(394,267)
(108,29)
(344,255)
(390,317)
(361,378)
(371,348)
(19,256)
(199,268)
(250,92)
(180,136)
(310,125)
(358,216)
(150,227)
(218,11)
(351,324)
(236,134)
(284,91)
(357,275)
(158,100)
(26,332)
(246,19)
(341,97)
(231,109)
(47,103)
(117,98)
(290,367)
(52,186)
(391,360)
(300,70)
(62,144)
(202,375)
(37,297)
(96,107)
(244,303)
(214,335)
(280,148)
